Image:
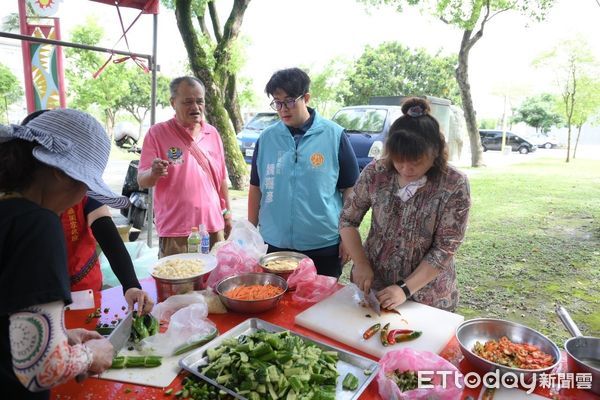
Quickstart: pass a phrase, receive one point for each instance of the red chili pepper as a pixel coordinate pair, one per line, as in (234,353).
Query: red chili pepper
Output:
(384,334)
(391,337)
(371,331)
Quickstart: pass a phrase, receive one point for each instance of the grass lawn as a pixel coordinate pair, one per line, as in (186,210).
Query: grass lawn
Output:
(533,241)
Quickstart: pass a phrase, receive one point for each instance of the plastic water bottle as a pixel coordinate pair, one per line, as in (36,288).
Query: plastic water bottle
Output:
(204,240)
(193,241)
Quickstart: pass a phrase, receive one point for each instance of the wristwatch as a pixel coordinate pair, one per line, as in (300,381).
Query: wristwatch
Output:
(404,288)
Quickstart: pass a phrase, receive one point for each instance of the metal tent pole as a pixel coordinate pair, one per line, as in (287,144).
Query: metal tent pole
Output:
(154,64)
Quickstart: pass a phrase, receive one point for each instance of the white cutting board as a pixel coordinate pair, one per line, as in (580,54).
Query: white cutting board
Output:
(161,376)
(341,318)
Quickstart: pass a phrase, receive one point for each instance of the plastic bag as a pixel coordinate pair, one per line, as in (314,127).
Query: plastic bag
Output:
(164,310)
(246,235)
(411,360)
(143,257)
(310,287)
(231,260)
(215,306)
(187,327)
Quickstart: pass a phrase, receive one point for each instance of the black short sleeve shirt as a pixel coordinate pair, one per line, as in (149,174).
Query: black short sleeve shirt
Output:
(33,270)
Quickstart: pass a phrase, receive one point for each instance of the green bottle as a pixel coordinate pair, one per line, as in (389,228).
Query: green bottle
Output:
(193,241)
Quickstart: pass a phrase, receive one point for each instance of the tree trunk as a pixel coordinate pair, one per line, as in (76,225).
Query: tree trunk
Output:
(232,104)
(110,122)
(216,113)
(462,77)
(569,107)
(577,140)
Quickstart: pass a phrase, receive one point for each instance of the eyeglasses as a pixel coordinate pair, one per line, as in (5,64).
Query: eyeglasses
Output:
(289,103)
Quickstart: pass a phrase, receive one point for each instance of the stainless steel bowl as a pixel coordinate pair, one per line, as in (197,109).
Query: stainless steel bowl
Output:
(166,287)
(251,278)
(484,329)
(280,255)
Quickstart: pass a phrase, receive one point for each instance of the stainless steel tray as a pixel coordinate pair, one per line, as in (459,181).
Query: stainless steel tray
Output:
(348,362)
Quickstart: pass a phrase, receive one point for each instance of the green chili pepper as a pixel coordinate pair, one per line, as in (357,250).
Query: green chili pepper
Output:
(408,337)
(384,334)
(371,331)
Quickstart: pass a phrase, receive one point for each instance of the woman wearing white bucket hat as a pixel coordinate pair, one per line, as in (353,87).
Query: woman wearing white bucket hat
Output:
(45,167)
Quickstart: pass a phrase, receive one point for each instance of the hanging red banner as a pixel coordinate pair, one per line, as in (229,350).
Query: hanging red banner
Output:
(147,6)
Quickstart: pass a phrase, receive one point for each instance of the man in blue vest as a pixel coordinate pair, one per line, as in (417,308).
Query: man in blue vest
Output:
(302,169)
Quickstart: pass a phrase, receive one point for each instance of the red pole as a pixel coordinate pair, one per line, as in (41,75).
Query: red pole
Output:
(59,66)
(26,58)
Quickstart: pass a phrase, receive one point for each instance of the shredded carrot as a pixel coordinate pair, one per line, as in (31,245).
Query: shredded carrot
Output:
(253,292)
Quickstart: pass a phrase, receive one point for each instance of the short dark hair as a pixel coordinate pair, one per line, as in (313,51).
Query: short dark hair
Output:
(415,134)
(293,81)
(190,80)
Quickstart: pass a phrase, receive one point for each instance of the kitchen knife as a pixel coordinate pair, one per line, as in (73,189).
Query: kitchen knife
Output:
(120,335)
(373,302)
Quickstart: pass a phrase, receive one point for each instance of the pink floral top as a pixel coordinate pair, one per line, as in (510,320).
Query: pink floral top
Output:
(431,225)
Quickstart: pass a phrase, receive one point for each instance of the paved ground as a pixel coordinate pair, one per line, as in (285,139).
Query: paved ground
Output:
(116,170)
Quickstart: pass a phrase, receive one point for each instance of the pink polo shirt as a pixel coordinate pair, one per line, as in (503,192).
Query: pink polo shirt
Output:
(185,197)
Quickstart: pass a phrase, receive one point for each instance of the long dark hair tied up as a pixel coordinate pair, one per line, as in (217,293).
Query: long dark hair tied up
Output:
(415,134)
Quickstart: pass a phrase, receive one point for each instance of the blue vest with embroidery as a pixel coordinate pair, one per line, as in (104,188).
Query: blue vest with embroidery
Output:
(300,204)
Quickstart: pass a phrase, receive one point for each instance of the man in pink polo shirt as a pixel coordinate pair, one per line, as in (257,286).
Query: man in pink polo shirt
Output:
(184,159)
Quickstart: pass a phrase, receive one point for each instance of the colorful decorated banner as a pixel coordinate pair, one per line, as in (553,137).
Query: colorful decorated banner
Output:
(44,8)
(46,78)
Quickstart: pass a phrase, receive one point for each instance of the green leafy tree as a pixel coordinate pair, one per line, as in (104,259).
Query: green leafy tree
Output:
(471,16)
(137,99)
(247,97)
(488,123)
(539,112)
(104,91)
(215,59)
(572,62)
(329,86)
(392,69)
(10,90)
(10,23)
(587,107)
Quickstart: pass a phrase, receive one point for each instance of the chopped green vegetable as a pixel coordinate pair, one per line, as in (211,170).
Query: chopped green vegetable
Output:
(406,380)
(187,347)
(266,365)
(136,362)
(105,330)
(199,390)
(350,382)
(143,326)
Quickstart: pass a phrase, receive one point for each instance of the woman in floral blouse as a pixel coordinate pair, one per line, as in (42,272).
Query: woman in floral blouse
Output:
(420,206)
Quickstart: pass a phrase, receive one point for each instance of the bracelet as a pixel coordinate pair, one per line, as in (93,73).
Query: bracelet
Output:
(226,213)
(404,288)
